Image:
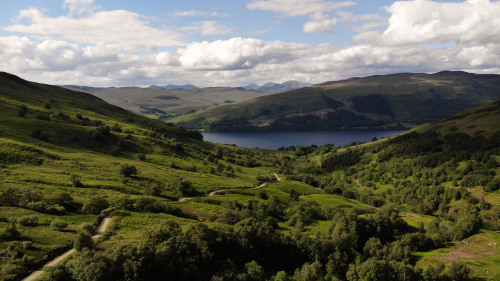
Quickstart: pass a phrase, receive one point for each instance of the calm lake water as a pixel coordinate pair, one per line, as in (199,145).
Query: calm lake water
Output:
(275,140)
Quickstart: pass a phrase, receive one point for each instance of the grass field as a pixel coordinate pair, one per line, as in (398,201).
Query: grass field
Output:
(477,251)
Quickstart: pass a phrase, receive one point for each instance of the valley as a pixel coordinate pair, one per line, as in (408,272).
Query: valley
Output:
(421,206)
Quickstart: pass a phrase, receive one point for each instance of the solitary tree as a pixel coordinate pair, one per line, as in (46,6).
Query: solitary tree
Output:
(128,170)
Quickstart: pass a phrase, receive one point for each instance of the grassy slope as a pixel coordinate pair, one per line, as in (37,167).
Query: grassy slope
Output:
(388,99)
(46,165)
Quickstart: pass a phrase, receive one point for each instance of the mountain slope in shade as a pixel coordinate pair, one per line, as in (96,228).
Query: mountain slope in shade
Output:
(481,120)
(375,102)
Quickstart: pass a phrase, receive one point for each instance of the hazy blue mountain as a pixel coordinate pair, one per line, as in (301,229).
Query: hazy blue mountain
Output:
(174,87)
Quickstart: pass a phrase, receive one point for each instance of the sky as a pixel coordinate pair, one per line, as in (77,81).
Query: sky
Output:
(240,42)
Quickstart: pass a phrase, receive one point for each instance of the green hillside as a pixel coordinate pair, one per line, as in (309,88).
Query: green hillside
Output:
(421,206)
(376,102)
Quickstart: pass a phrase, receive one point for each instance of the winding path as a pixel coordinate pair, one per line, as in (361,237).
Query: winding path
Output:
(186,199)
(35,274)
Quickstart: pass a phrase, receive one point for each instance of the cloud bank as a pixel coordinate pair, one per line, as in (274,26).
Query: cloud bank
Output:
(114,48)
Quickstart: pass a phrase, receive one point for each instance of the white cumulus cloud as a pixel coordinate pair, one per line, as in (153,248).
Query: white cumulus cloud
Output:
(115,27)
(423,21)
(241,53)
(319,23)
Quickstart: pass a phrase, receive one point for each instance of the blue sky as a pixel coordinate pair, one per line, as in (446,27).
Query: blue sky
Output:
(237,42)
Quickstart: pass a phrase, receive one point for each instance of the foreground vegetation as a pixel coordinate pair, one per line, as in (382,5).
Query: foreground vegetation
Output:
(422,206)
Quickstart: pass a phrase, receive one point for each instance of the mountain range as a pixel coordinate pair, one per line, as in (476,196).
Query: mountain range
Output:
(270,86)
(164,102)
(394,101)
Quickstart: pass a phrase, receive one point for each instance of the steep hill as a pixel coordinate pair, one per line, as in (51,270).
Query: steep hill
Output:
(374,102)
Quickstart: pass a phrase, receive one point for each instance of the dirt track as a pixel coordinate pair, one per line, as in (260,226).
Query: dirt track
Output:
(35,274)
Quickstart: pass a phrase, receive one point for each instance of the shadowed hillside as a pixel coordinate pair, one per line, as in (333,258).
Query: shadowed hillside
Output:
(376,102)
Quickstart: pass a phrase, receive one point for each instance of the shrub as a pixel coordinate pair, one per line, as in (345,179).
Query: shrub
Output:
(95,205)
(10,233)
(102,132)
(152,188)
(27,220)
(116,128)
(27,244)
(63,115)
(87,227)
(76,181)
(58,225)
(128,170)
(83,240)
(186,188)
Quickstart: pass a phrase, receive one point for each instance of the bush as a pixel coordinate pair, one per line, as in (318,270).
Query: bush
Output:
(10,233)
(58,225)
(27,220)
(83,240)
(87,227)
(152,188)
(95,205)
(186,188)
(128,170)
(116,128)
(27,244)
(76,181)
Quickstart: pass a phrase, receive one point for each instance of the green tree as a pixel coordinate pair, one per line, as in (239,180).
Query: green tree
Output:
(186,188)
(95,205)
(254,272)
(127,170)
(83,240)
(309,272)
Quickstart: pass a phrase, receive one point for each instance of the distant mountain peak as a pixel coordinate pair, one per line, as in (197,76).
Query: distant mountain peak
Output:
(272,86)
(174,87)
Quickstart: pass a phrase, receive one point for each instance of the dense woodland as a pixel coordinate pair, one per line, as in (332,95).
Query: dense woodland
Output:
(366,211)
